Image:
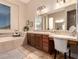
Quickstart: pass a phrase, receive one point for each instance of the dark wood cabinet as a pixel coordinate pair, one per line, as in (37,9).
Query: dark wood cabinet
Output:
(51,46)
(31,39)
(41,41)
(38,41)
(46,43)
(72,43)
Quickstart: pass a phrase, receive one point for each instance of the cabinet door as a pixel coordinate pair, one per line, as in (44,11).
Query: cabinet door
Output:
(33,39)
(39,41)
(51,46)
(29,38)
(45,43)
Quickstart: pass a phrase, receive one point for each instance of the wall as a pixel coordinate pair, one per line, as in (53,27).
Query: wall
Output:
(18,16)
(50,4)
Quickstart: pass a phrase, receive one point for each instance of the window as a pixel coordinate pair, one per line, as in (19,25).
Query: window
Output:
(4,17)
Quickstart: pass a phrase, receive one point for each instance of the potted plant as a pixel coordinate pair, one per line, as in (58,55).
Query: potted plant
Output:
(26,28)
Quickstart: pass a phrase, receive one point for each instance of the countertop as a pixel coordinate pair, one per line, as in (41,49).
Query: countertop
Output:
(53,35)
(67,37)
(38,32)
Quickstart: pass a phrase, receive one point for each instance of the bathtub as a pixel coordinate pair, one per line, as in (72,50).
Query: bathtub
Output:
(10,43)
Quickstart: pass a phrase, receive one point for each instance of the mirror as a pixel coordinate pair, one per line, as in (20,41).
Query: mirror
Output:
(38,23)
(59,25)
(58,20)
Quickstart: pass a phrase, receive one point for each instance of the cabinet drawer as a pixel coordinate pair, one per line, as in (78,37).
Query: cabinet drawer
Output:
(45,40)
(45,36)
(45,48)
(45,44)
(73,43)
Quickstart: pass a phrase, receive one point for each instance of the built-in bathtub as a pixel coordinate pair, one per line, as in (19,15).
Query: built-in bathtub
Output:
(8,43)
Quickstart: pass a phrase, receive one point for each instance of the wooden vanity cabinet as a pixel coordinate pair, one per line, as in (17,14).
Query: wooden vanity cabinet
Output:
(41,41)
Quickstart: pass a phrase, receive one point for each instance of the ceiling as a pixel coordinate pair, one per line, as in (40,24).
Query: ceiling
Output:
(25,1)
(15,1)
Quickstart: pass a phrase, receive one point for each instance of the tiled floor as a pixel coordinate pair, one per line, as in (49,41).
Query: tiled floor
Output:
(32,53)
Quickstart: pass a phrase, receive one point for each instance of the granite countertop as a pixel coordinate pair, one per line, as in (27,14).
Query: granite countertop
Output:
(74,38)
(53,35)
(38,32)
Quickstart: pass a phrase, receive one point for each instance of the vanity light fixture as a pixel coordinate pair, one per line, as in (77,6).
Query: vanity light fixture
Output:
(39,9)
(42,9)
(58,1)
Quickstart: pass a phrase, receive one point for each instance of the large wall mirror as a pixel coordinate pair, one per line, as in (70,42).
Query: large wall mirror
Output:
(61,20)
(38,23)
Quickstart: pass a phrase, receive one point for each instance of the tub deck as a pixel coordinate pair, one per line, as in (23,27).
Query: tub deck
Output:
(10,43)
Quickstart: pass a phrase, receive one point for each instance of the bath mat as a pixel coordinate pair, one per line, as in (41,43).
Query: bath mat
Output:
(14,54)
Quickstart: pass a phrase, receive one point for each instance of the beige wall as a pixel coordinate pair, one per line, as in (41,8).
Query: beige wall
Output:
(50,4)
(18,16)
